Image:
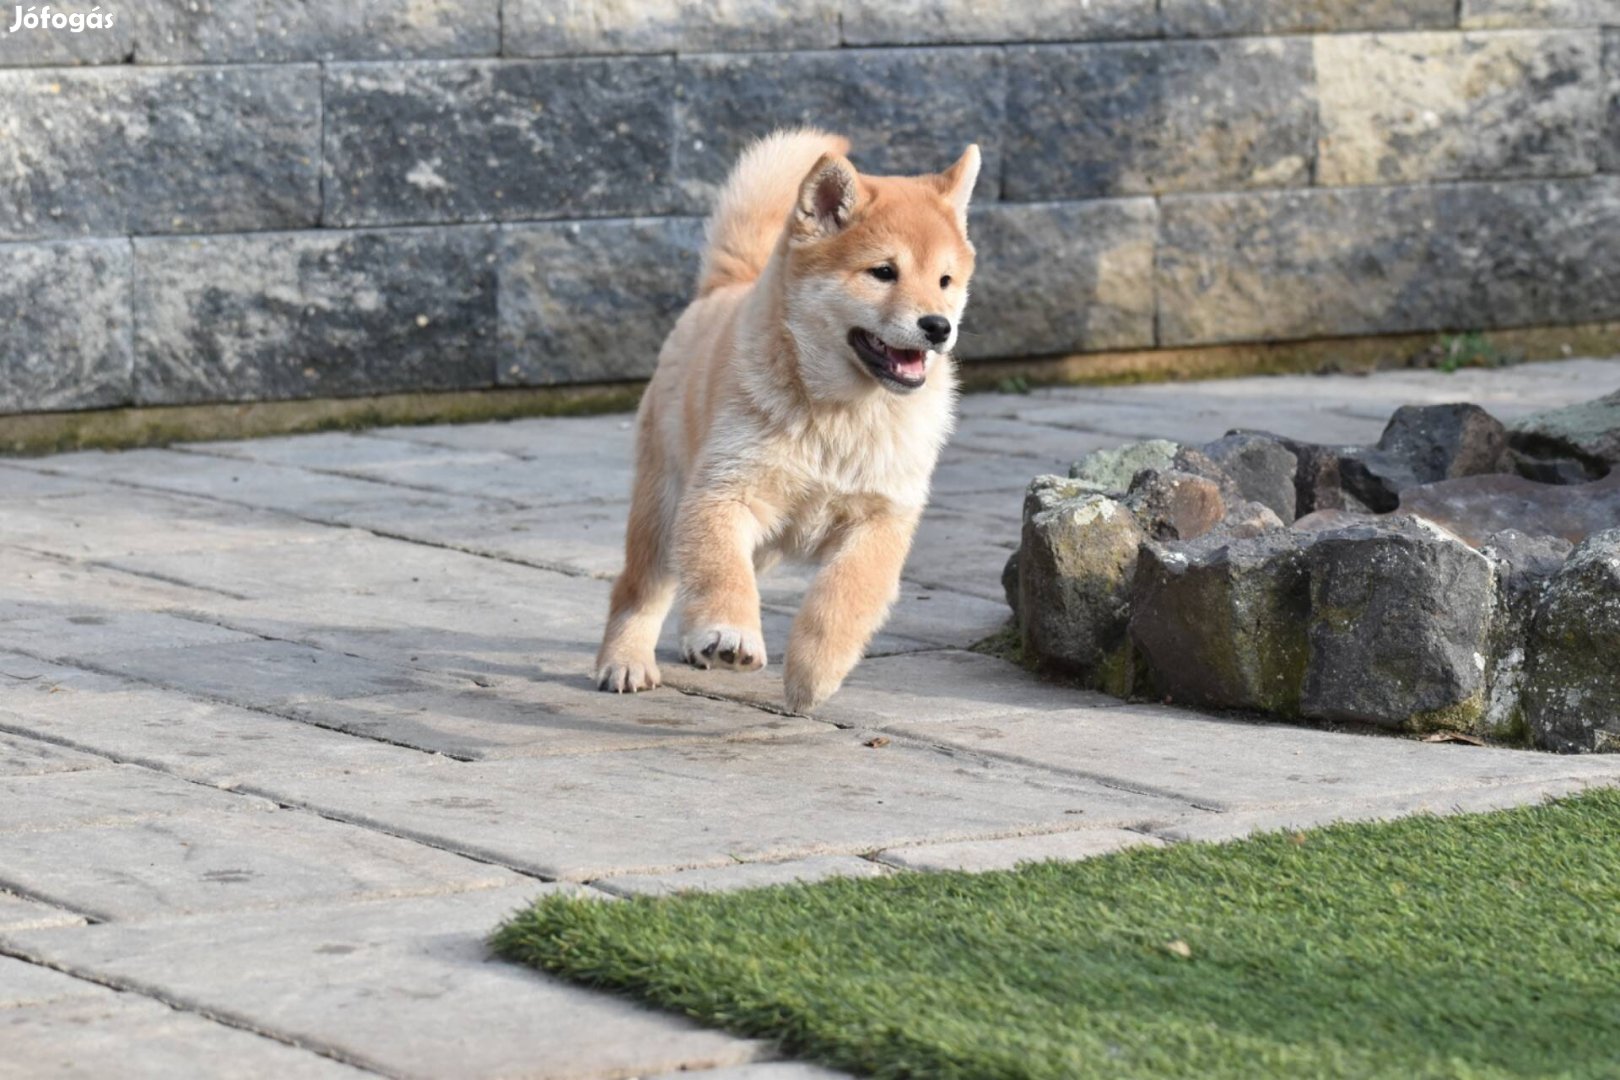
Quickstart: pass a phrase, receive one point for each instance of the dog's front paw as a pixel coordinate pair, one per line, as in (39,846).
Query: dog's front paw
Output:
(724,646)
(806,687)
(627,673)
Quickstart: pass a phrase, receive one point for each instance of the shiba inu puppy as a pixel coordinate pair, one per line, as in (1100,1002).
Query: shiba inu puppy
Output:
(798,408)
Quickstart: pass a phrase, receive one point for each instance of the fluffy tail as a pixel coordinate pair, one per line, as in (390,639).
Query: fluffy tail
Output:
(754,204)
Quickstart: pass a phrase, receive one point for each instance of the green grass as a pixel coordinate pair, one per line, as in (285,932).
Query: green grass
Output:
(1477,946)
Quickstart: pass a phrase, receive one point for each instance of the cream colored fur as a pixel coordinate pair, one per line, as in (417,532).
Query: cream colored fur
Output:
(764,433)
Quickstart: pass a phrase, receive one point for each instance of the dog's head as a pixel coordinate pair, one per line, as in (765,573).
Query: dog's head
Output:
(876,275)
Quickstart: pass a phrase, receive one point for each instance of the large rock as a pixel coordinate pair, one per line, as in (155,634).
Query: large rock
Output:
(159,150)
(1173,505)
(1062,277)
(1318,483)
(1132,118)
(1221,623)
(1443,442)
(1477,506)
(1262,470)
(1572,693)
(1111,472)
(1401,622)
(1405,108)
(483,141)
(1075,567)
(1589,432)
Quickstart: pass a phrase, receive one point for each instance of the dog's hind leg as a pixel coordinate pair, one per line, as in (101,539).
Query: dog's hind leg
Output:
(644,590)
(845,606)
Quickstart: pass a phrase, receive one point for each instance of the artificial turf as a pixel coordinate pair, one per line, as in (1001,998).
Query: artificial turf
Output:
(1472,946)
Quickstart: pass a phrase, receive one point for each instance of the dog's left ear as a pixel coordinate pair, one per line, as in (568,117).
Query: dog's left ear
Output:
(958,180)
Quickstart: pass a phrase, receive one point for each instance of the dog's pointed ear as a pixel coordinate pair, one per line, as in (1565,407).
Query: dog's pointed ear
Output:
(826,198)
(958,180)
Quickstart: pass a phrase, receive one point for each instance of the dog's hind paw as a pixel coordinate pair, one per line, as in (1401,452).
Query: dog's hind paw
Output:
(724,646)
(627,676)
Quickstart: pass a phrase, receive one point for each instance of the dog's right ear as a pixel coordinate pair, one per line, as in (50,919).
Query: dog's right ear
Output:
(826,199)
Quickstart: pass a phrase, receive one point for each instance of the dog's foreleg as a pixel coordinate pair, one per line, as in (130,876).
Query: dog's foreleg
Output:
(716,536)
(643,592)
(846,605)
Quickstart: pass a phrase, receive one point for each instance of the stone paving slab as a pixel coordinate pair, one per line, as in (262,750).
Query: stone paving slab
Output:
(741,876)
(23,984)
(117,521)
(1214,764)
(33,586)
(578,818)
(136,1038)
(942,685)
(203,862)
(121,795)
(30,757)
(1010,853)
(192,738)
(258,673)
(68,637)
(405,986)
(1458,800)
(516,719)
(21,913)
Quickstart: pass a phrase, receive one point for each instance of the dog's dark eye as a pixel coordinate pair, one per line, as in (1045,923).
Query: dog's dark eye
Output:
(945,282)
(884,273)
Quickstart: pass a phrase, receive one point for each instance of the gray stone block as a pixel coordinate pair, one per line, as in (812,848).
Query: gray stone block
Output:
(547,28)
(1201,18)
(1387,260)
(1091,120)
(16,913)
(1400,108)
(65,325)
(142,150)
(920,22)
(1061,277)
(904,110)
(1610,156)
(234,31)
(329,314)
(119,795)
(1504,14)
(484,141)
(589,301)
(65,47)
(21,756)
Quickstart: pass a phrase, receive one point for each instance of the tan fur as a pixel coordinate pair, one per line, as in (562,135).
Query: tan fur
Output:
(763,434)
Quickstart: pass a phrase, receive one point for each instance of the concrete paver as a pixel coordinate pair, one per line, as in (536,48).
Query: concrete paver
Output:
(299,720)
(405,987)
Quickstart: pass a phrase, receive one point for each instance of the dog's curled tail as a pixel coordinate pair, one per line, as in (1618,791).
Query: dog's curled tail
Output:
(753,207)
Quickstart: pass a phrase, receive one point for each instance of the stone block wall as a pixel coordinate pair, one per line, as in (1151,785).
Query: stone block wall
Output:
(237,200)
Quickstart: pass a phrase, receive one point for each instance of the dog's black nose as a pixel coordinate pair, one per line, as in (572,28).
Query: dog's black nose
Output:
(935,327)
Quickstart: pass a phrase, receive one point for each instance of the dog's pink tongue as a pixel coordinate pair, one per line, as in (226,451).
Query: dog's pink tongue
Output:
(907,362)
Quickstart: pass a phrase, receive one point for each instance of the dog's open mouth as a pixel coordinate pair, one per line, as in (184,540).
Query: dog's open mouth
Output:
(899,369)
